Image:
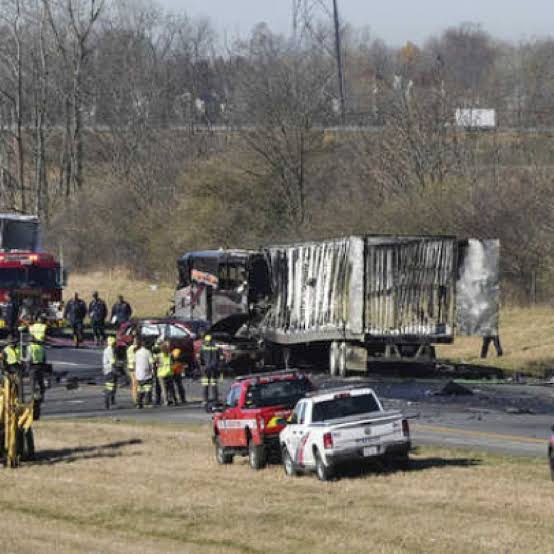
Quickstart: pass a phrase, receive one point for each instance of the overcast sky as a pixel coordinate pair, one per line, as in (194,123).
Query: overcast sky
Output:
(395,21)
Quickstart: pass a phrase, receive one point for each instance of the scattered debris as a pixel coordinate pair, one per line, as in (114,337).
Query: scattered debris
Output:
(519,411)
(72,383)
(453,389)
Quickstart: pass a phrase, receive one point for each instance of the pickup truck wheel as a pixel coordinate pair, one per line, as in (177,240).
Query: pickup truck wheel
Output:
(323,472)
(288,464)
(256,456)
(221,455)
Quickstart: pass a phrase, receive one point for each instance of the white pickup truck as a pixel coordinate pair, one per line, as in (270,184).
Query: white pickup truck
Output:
(334,426)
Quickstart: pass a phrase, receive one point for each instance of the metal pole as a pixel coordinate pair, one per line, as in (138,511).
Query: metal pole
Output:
(340,68)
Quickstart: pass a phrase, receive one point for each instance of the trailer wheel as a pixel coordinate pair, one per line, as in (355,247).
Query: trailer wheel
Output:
(342,359)
(333,358)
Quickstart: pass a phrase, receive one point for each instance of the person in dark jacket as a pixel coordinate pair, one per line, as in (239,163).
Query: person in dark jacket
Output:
(75,312)
(98,311)
(121,311)
(11,314)
(210,363)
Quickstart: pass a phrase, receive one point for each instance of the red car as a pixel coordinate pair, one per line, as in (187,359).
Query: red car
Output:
(180,334)
(255,412)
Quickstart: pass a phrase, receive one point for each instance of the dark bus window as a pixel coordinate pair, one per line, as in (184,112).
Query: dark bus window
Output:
(231,276)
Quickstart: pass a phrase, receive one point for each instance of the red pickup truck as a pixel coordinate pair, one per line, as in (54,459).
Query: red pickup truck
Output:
(255,412)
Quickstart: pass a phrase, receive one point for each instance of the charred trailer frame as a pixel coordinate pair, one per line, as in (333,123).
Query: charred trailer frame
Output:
(364,298)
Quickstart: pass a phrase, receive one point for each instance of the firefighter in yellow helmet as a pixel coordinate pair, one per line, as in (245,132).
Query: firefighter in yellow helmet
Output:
(210,361)
(164,372)
(178,368)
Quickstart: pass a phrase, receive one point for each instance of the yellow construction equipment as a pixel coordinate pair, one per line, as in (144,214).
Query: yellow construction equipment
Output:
(16,419)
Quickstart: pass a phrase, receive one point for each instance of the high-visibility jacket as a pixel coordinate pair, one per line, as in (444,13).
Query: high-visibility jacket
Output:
(164,365)
(37,353)
(131,351)
(12,355)
(38,331)
(177,365)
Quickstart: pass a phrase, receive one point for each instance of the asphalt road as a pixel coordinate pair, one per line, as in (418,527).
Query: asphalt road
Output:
(502,418)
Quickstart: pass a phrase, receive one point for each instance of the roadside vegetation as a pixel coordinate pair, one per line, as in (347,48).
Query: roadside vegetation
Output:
(127,487)
(147,297)
(526,337)
(137,134)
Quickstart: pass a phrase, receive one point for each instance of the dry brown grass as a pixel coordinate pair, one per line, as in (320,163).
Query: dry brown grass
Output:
(527,340)
(146,298)
(167,494)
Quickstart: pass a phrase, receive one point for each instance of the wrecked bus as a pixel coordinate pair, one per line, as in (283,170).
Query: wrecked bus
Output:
(363,298)
(216,284)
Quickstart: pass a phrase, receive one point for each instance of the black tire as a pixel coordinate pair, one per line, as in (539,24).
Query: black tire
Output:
(323,472)
(288,464)
(221,455)
(256,456)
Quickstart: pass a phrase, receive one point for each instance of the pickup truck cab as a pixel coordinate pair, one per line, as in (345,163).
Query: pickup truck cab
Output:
(334,426)
(255,411)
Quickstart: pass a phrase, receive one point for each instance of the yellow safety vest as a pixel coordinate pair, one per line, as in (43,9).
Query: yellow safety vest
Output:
(37,353)
(164,365)
(131,355)
(12,356)
(38,331)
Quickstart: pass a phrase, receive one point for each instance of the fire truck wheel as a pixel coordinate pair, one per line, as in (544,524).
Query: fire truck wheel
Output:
(221,455)
(256,455)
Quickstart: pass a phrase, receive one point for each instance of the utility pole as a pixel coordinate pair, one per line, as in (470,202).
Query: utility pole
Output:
(340,67)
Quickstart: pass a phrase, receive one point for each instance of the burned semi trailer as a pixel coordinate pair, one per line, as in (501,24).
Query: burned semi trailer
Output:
(385,298)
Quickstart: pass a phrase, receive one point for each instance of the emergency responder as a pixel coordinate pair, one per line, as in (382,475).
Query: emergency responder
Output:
(110,373)
(121,311)
(97,312)
(11,313)
(178,368)
(164,372)
(36,356)
(210,359)
(39,329)
(76,311)
(130,355)
(11,355)
(144,366)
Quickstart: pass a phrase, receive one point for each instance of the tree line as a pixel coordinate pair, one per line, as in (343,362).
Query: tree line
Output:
(137,133)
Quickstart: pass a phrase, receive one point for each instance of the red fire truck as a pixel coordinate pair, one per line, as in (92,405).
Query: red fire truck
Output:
(34,277)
